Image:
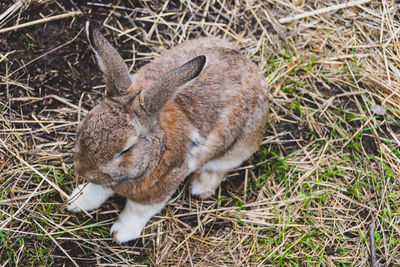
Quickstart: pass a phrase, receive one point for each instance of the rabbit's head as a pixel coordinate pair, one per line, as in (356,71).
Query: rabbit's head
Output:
(120,139)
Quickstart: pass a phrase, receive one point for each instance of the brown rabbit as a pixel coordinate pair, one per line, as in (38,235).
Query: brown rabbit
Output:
(200,108)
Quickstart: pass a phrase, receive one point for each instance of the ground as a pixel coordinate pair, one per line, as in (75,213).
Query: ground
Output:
(325,179)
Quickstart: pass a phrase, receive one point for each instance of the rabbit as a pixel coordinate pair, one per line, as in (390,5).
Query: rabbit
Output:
(198,109)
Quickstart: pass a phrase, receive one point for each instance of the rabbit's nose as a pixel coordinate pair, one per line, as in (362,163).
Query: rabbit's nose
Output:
(81,167)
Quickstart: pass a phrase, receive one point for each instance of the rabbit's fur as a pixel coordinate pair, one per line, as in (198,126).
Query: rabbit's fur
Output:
(199,108)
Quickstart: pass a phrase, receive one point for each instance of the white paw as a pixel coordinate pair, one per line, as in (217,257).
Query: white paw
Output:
(125,231)
(88,197)
(76,199)
(133,219)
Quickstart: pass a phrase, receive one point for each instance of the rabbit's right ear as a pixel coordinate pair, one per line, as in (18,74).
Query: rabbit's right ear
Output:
(164,90)
(116,73)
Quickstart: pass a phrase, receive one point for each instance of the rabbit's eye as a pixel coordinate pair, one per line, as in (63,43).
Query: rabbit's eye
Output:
(129,149)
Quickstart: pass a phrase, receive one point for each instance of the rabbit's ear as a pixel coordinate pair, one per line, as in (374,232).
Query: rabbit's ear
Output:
(116,73)
(164,90)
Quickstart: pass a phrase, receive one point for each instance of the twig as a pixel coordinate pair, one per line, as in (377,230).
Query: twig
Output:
(31,23)
(372,241)
(323,10)
(10,11)
(113,6)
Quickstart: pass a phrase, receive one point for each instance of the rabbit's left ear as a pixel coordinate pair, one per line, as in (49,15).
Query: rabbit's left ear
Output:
(116,73)
(164,90)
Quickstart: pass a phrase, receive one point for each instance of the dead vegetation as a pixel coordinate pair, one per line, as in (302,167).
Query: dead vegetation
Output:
(328,168)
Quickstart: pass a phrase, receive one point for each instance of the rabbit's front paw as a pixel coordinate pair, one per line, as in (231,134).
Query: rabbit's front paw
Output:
(88,197)
(133,219)
(126,231)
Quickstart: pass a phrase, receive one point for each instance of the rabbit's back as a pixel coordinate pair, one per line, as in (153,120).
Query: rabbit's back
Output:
(230,83)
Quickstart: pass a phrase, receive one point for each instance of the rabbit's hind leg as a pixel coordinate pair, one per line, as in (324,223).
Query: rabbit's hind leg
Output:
(204,183)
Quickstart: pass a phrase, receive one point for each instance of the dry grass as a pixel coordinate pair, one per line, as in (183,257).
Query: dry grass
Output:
(328,168)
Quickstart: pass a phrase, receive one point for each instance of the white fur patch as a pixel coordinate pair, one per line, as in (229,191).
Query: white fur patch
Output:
(192,164)
(133,219)
(88,197)
(195,136)
(197,140)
